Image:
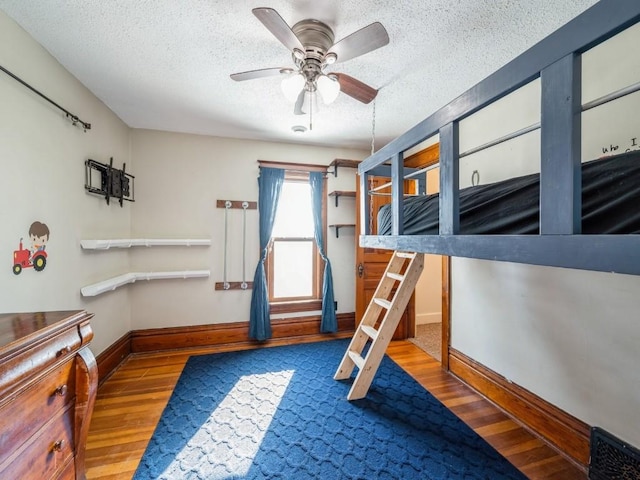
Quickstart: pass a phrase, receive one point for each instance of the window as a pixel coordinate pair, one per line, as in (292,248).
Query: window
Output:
(294,266)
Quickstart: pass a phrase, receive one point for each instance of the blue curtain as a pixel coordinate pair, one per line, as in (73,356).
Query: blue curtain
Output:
(329,322)
(269,187)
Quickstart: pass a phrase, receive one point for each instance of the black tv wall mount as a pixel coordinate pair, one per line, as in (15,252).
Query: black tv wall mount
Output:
(113,182)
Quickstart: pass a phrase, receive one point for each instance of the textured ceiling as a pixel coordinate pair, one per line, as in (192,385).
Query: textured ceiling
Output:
(165,64)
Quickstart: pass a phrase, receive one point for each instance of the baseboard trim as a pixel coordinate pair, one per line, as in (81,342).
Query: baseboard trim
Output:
(427,318)
(113,356)
(562,430)
(237,333)
(289,330)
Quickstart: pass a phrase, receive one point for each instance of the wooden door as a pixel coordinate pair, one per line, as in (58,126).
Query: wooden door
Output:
(372,262)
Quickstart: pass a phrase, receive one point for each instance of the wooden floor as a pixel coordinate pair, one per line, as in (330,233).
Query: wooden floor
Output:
(131,401)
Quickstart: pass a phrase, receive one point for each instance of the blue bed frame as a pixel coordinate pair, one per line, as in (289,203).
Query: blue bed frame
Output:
(556,60)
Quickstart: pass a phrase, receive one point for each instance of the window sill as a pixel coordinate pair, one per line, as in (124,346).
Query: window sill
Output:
(293,307)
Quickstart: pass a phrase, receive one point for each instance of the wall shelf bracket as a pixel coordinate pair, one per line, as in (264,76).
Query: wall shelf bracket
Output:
(338,226)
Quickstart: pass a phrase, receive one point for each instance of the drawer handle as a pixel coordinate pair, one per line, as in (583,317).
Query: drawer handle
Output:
(64,351)
(58,446)
(61,390)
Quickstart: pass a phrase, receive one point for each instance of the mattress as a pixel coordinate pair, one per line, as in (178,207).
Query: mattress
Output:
(610,203)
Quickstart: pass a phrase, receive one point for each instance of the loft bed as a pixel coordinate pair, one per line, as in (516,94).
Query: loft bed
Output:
(610,203)
(561,230)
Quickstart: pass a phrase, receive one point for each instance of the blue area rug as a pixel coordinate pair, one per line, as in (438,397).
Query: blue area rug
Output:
(277,413)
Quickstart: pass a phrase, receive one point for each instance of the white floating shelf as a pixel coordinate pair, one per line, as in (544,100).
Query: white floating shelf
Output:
(119,281)
(142,242)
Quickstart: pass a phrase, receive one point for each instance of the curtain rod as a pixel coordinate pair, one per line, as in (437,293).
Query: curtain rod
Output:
(294,167)
(74,118)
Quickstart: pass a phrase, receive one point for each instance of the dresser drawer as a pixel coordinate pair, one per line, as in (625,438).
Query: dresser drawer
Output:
(24,414)
(48,382)
(69,472)
(46,455)
(29,362)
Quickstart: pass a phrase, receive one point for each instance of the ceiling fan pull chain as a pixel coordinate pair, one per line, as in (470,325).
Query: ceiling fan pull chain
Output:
(373,127)
(371,187)
(371,183)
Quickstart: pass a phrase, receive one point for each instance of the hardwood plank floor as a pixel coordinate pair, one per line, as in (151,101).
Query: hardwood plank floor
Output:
(131,401)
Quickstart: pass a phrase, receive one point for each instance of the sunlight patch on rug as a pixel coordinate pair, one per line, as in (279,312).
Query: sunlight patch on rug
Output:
(228,441)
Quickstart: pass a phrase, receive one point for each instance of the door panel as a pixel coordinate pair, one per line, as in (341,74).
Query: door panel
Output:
(371,264)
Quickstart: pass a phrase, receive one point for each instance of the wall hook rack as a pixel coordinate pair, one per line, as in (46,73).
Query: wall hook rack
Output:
(228,205)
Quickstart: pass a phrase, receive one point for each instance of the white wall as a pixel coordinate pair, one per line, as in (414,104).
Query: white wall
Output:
(178,180)
(429,287)
(569,336)
(429,291)
(179,177)
(42,176)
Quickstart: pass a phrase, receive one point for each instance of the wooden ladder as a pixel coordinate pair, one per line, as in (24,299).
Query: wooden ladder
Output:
(396,274)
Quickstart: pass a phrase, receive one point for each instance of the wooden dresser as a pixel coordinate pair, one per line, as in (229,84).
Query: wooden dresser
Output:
(48,383)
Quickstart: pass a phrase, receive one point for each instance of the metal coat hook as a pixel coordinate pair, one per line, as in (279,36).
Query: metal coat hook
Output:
(475,178)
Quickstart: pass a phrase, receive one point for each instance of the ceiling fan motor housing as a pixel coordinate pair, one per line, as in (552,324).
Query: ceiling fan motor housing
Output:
(317,38)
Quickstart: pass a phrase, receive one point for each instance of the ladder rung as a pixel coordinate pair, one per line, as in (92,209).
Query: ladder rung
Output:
(372,332)
(355,355)
(357,359)
(383,303)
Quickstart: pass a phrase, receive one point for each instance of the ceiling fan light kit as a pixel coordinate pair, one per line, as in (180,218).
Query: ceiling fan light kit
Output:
(312,47)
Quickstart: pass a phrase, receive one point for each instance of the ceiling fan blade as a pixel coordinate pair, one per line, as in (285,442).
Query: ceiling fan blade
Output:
(278,27)
(355,88)
(264,72)
(360,42)
(297,110)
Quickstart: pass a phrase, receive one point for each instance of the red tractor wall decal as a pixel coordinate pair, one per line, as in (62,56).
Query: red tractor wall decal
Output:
(22,258)
(36,257)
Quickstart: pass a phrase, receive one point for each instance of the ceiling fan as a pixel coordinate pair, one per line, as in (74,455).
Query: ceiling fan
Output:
(312,47)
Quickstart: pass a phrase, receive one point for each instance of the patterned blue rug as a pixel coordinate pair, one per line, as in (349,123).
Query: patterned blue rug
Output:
(277,413)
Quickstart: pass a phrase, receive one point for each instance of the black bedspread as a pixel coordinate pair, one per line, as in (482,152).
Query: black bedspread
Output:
(610,203)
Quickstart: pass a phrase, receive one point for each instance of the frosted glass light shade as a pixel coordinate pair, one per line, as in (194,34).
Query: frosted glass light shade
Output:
(329,88)
(292,85)
(310,102)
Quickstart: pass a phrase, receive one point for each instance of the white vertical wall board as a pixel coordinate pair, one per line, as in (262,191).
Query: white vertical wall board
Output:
(619,132)
(610,66)
(42,178)
(520,156)
(613,63)
(516,111)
